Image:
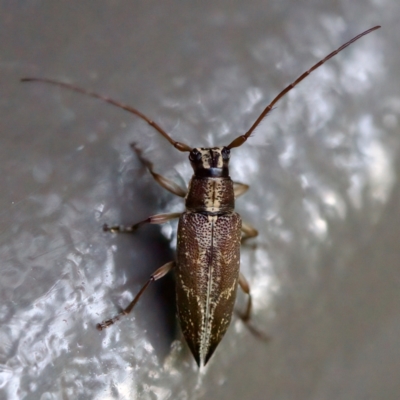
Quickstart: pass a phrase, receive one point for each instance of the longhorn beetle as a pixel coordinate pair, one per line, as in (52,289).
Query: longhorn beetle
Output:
(209,232)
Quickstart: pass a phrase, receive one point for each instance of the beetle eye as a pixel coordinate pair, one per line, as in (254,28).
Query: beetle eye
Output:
(226,153)
(194,155)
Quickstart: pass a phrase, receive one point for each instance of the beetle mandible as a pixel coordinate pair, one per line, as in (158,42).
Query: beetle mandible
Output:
(209,232)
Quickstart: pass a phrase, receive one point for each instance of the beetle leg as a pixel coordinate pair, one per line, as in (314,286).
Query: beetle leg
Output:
(244,285)
(248,231)
(154,219)
(239,188)
(158,274)
(171,186)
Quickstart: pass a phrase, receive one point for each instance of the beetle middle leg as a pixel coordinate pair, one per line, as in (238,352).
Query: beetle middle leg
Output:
(158,274)
(248,231)
(153,219)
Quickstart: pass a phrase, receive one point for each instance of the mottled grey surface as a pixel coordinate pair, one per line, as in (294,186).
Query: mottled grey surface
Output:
(325,195)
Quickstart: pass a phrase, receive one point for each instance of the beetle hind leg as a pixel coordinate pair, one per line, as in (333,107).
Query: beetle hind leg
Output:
(245,317)
(244,285)
(158,274)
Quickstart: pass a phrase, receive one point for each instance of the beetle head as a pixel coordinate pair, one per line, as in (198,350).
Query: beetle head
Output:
(210,162)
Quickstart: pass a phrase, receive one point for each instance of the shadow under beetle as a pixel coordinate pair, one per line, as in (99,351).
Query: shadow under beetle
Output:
(209,232)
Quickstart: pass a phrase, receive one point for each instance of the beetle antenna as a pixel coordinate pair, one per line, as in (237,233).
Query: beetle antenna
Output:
(178,145)
(241,139)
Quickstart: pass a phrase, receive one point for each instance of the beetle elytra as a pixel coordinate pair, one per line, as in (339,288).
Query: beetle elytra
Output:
(209,232)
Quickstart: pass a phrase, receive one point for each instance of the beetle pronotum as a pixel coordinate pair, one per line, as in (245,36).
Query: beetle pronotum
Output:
(209,232)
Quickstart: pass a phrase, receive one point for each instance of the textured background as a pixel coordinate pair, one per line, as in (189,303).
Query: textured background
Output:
(325,195)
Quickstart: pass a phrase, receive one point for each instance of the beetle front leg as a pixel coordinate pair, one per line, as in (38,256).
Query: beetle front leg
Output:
(158,274)
(239,189)
(154,219)
(166,183)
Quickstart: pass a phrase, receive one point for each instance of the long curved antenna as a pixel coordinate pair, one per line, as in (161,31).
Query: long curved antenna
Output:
(178,145)
(241,139)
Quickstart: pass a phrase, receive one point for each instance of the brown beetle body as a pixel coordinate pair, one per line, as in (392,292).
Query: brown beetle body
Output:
(208,260)
(209,232)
